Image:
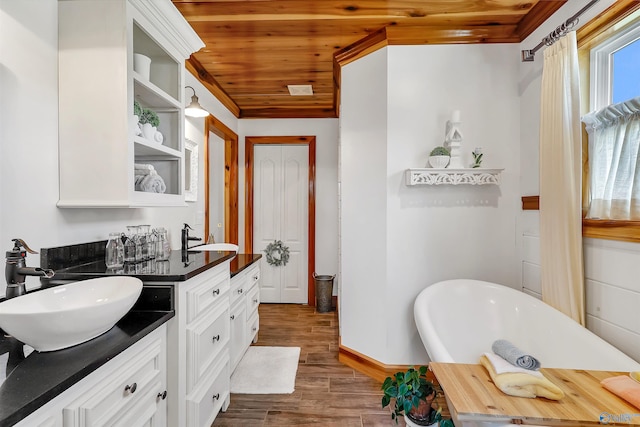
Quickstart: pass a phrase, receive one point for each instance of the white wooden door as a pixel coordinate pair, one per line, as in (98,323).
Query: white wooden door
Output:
(281,204)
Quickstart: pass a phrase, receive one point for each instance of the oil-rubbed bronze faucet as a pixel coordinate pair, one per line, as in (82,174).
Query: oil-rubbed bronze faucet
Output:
(186,238)
(16,269)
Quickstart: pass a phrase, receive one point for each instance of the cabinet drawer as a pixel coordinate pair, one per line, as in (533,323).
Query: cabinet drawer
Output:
(253,326)
(205,402)
(206,293)
(145,412)
(253,275)
(239,288)
(135,381)
(253,300)
(206,339)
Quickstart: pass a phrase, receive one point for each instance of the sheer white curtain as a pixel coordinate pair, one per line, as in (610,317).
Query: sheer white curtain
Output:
(614,164)
(562,274)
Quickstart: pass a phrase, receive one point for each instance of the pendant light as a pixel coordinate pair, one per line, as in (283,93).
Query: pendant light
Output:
(195,109)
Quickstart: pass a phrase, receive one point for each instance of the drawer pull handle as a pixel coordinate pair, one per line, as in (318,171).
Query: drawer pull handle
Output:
(162,395)
(254,329)
(216,338)
(216,396)
(216,291)
(233,316)
(255,277)
(255,301)
(131,388)
(239,291)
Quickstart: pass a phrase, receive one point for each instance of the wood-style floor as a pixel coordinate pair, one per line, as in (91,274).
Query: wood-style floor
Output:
(327,393)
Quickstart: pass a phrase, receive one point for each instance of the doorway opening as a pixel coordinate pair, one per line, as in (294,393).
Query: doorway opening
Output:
(214,126)
(310,141)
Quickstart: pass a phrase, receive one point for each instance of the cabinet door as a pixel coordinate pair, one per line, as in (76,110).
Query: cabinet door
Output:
(132,384)
(238,332)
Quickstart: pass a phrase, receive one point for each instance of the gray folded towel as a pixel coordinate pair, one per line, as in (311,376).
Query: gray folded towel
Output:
(514,355)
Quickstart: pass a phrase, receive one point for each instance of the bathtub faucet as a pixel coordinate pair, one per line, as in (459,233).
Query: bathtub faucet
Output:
(16,270)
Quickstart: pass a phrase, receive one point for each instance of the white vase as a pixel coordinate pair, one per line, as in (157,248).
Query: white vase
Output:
(149,132)
(142,65)
(439,162)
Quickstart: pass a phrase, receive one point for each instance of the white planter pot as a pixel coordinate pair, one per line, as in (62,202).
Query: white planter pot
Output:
(439,162)
(149,132)
(410,423)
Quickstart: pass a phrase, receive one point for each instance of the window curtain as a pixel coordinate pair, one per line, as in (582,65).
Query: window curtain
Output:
(562,273)
(614,164)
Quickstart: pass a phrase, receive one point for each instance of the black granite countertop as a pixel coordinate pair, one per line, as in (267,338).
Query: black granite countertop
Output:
(29,379)
(179,267)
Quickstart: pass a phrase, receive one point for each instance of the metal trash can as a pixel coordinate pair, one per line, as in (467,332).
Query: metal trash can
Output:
(324,292)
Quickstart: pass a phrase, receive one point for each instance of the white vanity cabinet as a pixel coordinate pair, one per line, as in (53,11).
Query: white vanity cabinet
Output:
(129,390)
(98,141)
(244,300)
(198,354)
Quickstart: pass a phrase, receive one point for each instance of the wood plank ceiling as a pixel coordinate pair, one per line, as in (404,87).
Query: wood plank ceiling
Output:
(255,48)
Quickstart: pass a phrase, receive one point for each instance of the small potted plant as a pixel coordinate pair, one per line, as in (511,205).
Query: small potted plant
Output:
(439,157)
(414,395)
(149,122)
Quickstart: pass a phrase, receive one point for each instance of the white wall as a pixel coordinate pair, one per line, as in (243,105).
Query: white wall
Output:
(29,148)
(326,133)
(363,209)
(612,291)
(423,234)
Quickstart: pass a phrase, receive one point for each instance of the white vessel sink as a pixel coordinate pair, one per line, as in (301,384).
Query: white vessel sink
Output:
(222,247)
(65,315)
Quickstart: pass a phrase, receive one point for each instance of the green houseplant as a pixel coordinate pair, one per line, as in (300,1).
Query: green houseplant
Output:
(439,157)
(413,394)
(149,116)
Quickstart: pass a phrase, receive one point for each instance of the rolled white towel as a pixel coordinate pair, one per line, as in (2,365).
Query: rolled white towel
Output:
(514,355)
(503,366)
(151,183)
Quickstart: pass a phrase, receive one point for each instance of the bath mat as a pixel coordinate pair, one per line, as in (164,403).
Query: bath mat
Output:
(266,370)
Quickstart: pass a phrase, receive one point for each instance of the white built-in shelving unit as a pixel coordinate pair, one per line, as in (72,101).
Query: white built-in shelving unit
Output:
(98,145)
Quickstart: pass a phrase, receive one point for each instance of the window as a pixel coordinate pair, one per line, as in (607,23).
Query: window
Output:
(615,66)
(613,126)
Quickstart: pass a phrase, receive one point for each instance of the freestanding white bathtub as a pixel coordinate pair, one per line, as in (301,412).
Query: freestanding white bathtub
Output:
(458,320)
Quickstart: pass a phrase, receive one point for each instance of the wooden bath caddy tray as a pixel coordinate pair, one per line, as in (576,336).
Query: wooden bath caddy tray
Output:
(472,396)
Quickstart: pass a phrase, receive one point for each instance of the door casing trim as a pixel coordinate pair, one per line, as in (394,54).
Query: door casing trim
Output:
(250,142)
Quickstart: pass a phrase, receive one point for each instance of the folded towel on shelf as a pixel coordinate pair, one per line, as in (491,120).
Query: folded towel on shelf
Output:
(143,166)
(143,169)
(522,383)
(514,355)
(150,183)
(502,366)
(624,387)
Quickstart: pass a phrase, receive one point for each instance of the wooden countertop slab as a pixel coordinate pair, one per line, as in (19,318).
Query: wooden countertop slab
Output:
(471,395)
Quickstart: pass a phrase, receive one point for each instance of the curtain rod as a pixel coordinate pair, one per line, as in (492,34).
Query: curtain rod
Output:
(564,28)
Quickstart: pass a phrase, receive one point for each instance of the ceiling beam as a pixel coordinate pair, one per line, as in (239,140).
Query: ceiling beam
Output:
(195,67)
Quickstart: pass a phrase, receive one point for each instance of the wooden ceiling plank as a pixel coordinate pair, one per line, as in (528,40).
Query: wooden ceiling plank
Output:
(194,67)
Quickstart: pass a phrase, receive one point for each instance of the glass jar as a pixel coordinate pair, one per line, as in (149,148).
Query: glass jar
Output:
(143,239)
(162,244)
(130,247)
(114,251)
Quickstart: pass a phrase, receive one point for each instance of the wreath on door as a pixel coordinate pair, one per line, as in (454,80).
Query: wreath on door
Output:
(277,253)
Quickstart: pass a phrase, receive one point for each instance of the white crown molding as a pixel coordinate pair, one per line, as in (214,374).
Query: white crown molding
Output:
(166,18)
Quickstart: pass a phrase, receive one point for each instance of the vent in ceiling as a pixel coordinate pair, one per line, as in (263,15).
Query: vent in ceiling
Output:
(300,90)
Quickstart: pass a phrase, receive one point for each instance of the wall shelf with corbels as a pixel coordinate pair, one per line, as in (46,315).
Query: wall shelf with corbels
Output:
(470,176)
